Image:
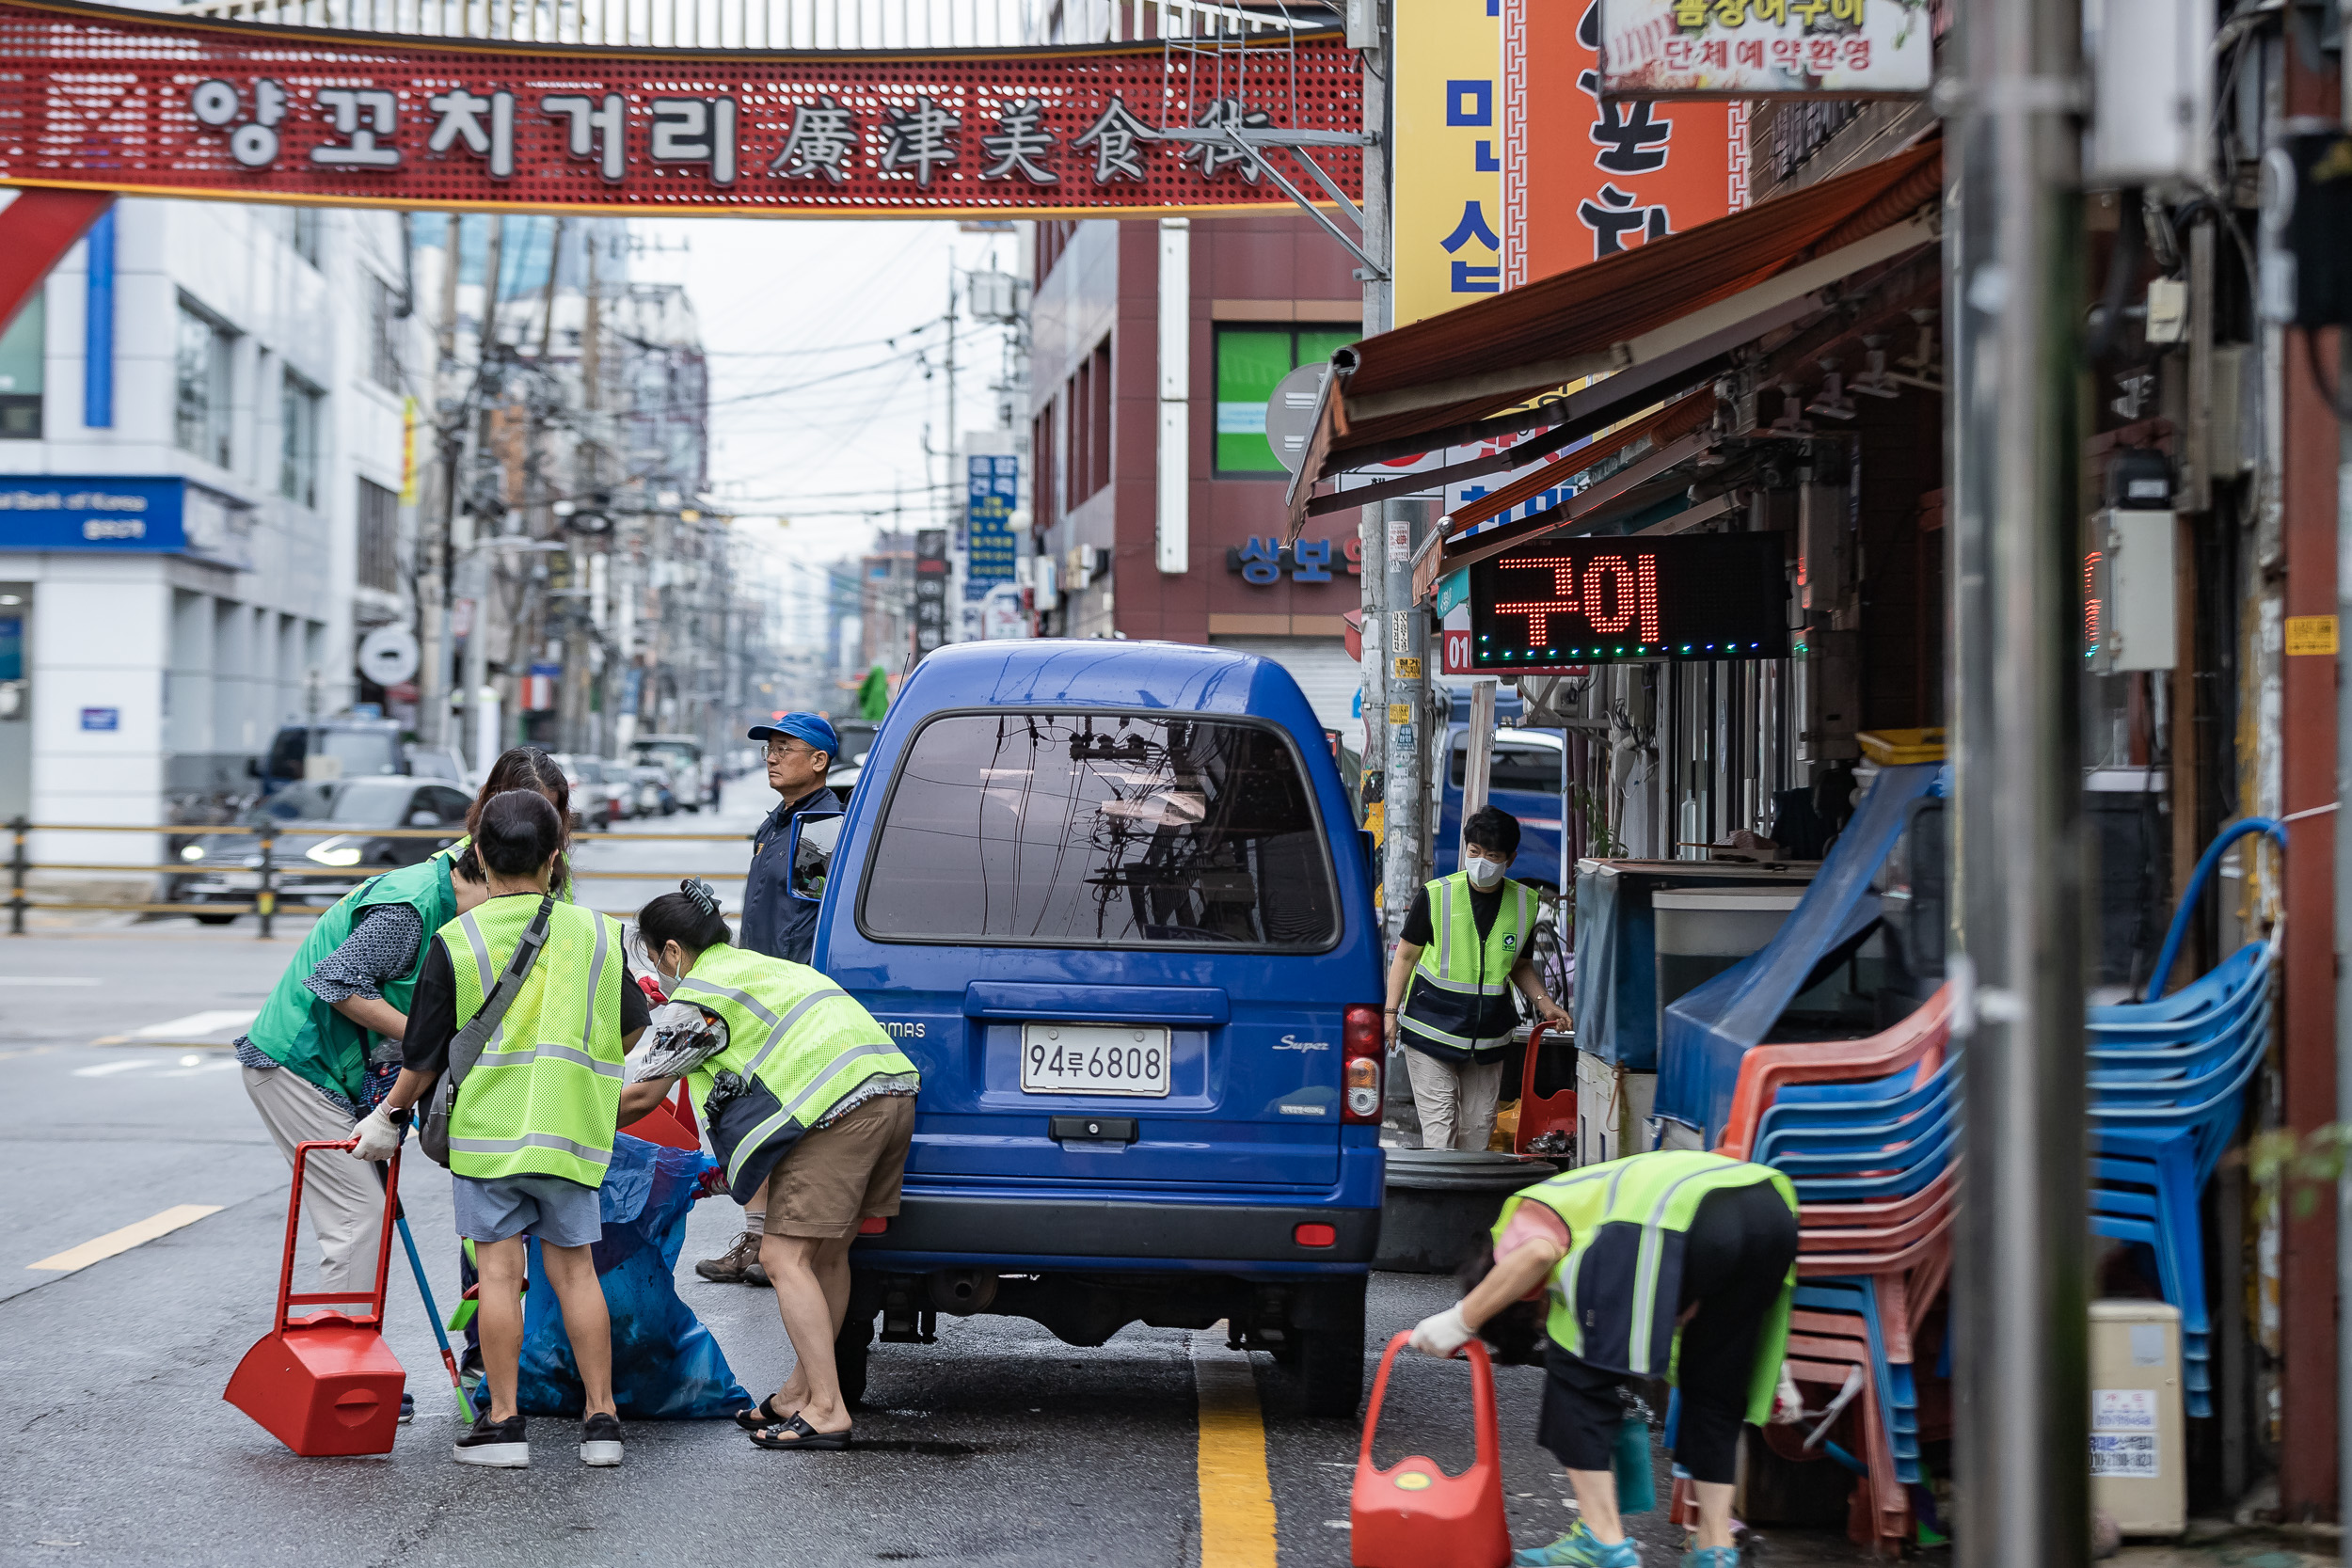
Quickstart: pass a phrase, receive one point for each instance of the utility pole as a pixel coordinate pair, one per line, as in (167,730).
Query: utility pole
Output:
(432,580)
(481,742)
(2343,884)
(2015,306)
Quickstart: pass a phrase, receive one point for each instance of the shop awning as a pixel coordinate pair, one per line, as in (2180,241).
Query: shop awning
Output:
(1650,322)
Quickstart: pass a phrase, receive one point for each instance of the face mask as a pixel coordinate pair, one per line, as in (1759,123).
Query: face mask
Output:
(1484,873)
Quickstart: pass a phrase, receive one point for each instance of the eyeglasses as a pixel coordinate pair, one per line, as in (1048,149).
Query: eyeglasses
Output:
(779,749)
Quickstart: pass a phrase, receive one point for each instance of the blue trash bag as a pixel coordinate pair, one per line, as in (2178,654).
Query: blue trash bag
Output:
(666,1365)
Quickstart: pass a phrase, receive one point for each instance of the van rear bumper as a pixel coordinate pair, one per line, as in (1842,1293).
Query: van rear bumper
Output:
(980,1231)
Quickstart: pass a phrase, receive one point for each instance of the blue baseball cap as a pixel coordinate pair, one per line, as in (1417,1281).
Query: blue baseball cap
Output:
(814,728)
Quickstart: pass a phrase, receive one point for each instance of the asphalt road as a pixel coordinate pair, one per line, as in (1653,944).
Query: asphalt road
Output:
(996,1445)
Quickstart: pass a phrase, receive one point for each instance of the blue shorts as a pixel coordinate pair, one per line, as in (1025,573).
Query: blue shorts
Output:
(559,1212)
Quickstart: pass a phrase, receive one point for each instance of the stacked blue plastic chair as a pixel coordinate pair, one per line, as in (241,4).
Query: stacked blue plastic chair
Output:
(2168,1078)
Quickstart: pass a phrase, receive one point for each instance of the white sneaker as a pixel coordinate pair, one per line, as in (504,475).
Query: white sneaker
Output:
(499,1445)
(600,1441)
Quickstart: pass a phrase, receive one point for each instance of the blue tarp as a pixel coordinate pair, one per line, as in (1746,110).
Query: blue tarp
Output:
(1616,966)
(1710,1027)
(665,1364)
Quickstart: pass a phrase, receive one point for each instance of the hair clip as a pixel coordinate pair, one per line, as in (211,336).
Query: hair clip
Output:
(701,892)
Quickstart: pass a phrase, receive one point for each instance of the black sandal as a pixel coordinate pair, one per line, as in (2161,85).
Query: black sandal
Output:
(806,1436)
(762,1418)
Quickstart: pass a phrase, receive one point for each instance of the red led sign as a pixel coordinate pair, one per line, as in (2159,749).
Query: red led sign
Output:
(162,104)
(1557,602)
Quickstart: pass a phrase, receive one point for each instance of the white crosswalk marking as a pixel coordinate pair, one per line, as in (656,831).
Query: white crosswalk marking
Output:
(108,1070)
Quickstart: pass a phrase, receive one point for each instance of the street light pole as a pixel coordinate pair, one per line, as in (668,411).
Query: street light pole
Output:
(2016,308)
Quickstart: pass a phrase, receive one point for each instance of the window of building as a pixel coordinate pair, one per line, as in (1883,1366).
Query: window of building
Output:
(383,333)
(1250,361)
(298,417)
(379,537)
(23,353)
(1090,413)
(202,376)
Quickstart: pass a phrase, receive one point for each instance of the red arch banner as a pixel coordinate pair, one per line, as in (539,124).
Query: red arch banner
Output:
(98,98)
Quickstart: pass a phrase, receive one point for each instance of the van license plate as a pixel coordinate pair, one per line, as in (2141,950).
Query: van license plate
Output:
(1093,1058)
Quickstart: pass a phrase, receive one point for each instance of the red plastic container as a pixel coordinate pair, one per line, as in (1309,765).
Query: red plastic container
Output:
(1415,1515)
(670,1124)
(325,1384)
(1545,1112)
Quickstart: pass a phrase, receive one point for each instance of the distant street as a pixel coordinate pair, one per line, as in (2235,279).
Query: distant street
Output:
(998,1445)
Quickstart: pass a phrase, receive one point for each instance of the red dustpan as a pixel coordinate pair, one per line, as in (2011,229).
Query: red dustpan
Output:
(325,1384)
(1415,1515)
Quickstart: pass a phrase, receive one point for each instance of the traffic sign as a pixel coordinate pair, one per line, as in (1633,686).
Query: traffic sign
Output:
(387,655)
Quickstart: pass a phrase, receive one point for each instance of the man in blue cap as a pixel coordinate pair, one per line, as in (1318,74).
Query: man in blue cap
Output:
(776,920)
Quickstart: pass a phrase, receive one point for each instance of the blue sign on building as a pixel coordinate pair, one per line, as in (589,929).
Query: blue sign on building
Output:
(991,490)
(102,718)
(110,513)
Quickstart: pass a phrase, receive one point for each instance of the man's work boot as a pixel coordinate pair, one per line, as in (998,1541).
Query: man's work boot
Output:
(738,1265)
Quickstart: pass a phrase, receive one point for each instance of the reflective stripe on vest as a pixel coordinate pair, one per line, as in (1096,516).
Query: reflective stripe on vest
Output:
(1459,999)
(803,1040)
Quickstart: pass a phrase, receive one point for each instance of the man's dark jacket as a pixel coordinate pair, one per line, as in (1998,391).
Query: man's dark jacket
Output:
(774,922)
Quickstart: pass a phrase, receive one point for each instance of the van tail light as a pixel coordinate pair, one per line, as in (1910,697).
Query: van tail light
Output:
(1360,1045)
(873,1225)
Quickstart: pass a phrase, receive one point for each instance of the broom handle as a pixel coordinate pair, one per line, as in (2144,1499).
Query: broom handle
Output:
(432,1313)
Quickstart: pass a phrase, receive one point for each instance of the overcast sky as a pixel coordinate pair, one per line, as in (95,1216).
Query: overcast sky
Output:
(827,354)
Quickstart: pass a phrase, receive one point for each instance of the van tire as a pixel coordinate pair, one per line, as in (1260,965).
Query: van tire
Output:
(1331,1356)
(850,1349)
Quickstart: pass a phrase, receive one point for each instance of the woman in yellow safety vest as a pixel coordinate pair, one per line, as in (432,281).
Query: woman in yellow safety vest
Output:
(809,1102)
(1466,941)
(1676,1263)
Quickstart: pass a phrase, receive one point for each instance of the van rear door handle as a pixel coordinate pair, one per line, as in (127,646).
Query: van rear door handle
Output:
(1183,1007)
(1101,1129)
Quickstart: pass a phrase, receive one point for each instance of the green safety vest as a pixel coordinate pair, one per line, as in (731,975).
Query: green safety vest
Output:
(298,1031)
(799,1042)
(545,1096)
(1459,1006)
(1616,1296)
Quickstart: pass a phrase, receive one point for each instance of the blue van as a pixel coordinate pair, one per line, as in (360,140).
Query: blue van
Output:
(1525,779)
(1109,896)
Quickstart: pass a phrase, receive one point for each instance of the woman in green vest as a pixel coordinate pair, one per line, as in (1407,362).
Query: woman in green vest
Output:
(1465,945)
(809,1102)
(306,1059)
(1678,1265)
(530,1131)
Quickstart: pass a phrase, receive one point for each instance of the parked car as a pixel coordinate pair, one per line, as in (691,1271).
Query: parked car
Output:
(1526,780)
(694,784)
(595,801)
(330,749)
(335,826)
(653,795)
(1119,912)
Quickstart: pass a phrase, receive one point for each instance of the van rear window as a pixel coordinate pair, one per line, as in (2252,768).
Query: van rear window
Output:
(1095,829)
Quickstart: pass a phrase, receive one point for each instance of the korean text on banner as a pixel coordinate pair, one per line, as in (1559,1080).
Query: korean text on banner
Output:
(1447,156)
(1751,48)
(1583,178)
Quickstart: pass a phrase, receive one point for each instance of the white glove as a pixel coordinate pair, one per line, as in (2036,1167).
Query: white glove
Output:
(379,1136)
(1788,1404)
(1443,1335)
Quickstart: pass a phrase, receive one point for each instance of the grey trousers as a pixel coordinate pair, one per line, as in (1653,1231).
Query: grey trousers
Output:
(1455,1101)
(341,1196)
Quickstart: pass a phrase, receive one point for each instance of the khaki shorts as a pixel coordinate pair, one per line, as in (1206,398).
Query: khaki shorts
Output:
(842,1174)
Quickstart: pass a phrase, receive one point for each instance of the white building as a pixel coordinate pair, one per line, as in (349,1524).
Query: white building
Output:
(193,537)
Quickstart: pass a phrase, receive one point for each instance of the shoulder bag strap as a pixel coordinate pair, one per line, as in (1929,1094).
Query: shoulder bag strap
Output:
(466,1050)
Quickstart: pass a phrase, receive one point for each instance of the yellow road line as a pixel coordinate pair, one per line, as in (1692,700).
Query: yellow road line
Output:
(106,1247)
(1236,1498)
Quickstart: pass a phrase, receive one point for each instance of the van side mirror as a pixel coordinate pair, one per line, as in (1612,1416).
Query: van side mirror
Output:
(1372,855)
(813,840)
